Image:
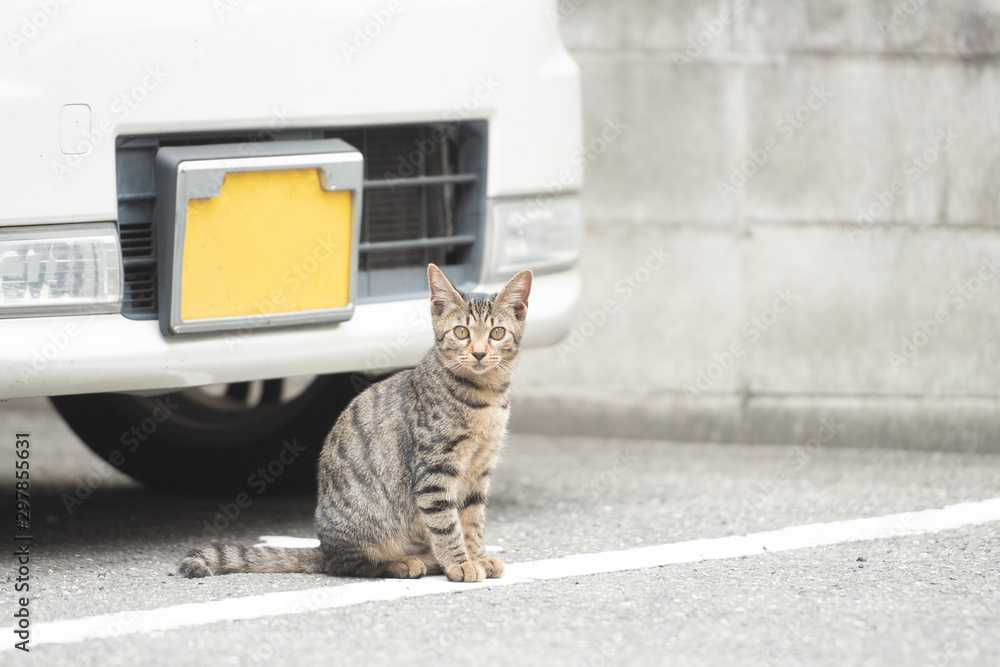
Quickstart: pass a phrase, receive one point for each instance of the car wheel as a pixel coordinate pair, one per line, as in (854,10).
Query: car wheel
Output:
(247,436)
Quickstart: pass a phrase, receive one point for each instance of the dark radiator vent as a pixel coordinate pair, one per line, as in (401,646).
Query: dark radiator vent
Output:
(424,201)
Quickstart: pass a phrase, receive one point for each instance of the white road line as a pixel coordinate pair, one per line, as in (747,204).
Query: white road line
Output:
(306,542)
(285,541)
(118,624)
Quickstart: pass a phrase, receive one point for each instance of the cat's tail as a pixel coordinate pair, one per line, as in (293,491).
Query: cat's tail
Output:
(211,559)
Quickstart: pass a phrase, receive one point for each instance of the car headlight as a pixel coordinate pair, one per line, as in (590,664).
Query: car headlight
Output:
(543,233)
(60,270)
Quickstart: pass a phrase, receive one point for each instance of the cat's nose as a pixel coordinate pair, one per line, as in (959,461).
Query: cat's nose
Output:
(479,355)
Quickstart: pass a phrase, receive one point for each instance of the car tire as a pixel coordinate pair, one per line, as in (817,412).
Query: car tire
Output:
(192,441)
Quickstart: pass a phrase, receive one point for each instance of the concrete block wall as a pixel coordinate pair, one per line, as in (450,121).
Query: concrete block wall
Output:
(825,178)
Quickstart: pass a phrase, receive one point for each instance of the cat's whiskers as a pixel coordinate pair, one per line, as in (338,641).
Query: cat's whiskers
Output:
(454,363)
(508,368)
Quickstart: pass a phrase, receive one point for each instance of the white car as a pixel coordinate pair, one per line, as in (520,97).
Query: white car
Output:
(216,217)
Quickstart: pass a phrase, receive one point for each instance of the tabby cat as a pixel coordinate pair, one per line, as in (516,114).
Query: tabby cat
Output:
(405,472)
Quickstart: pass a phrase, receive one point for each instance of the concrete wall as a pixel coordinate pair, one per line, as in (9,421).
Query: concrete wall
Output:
(825,177)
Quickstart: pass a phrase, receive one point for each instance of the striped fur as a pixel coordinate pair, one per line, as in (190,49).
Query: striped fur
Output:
(215,558)
(404,475)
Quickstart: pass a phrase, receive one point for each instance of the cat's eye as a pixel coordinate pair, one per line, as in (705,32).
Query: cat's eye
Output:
(498,333)
(461,333)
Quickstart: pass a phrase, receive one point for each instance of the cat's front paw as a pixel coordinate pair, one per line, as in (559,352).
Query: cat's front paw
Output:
(469,570)
(493,567)
(410,567)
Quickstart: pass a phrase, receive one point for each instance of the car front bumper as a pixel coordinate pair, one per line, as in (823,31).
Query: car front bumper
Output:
(109,353)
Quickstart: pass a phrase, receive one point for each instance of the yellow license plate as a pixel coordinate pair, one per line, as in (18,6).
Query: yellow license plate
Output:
(271,242)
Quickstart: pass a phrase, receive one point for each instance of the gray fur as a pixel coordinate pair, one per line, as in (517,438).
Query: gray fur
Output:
(404,474)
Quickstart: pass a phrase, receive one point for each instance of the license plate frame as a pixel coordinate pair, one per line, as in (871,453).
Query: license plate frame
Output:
(187,173)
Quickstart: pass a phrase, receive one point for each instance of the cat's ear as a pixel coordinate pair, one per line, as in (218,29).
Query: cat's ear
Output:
(443,293)
(515,293)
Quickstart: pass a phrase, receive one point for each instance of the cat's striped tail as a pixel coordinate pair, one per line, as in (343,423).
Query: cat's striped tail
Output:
(212,559)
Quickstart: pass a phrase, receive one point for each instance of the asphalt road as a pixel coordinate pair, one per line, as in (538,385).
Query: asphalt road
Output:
(927,599)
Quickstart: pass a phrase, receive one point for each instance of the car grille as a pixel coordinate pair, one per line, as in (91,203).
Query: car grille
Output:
(424,201)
